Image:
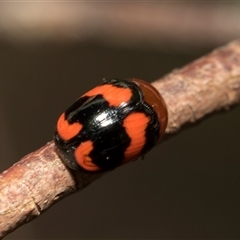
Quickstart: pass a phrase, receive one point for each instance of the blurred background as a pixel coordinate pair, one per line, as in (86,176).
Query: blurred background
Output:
(52,52)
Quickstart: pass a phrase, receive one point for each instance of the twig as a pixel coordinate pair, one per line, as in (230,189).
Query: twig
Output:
(40,179)
(203,86)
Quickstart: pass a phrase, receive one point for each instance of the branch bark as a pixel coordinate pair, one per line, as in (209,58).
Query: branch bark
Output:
(40,179)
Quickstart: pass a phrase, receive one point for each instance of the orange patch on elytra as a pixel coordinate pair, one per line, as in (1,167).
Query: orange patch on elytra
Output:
(82,156)
(135,125)
(66,130)
(115,96)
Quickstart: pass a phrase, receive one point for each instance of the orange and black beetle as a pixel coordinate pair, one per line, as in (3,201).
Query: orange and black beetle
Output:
(110,125)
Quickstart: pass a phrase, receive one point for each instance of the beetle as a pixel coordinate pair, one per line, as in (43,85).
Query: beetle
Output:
(110,125)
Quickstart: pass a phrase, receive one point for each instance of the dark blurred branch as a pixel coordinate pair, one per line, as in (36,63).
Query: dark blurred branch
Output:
(40,179)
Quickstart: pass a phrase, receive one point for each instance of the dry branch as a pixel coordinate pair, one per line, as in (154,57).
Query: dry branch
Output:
(40,179)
